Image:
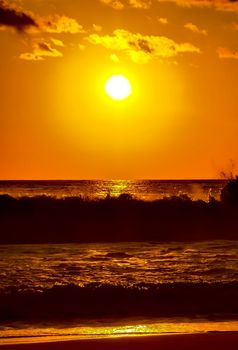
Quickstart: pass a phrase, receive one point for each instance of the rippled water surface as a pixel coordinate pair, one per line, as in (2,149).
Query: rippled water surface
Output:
(42,266)
(67,271)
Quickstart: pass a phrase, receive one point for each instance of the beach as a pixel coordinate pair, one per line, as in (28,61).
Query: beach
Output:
(211,341)
(117,272)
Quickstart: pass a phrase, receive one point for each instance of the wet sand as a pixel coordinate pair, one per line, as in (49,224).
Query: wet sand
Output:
(209,341)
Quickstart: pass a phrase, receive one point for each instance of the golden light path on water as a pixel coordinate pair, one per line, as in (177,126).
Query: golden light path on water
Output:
(65,332)
(115,189)
(94,189)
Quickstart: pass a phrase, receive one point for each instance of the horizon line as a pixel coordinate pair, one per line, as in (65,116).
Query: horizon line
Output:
(108,179)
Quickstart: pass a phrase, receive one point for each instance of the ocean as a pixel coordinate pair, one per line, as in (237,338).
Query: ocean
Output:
(92,189)
(116,288)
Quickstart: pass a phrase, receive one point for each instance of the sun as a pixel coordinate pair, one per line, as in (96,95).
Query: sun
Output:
(118,87)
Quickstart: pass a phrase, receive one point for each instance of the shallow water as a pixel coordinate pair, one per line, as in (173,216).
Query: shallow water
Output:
(130,327)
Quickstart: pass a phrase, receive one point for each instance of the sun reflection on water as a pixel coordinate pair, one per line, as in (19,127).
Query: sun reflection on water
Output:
(134,329)
(114,188)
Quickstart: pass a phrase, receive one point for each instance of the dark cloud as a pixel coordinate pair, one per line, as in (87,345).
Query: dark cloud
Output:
(143,45)
(15,17)
(11,16)
(44,47)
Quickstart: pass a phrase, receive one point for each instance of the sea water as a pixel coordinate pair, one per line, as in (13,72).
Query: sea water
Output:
(141,189)
(68,274)
(99,289)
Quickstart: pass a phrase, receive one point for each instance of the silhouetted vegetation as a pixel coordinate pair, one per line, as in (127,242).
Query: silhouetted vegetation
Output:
(74,219)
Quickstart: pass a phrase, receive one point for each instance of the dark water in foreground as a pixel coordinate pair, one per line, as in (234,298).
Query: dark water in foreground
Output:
(89,289)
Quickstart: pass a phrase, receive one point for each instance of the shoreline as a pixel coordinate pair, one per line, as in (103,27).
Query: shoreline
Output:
(193,341)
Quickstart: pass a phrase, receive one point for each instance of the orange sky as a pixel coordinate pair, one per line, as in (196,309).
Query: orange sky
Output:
(56,121)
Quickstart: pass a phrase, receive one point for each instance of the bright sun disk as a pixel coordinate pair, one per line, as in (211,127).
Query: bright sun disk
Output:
(118,87)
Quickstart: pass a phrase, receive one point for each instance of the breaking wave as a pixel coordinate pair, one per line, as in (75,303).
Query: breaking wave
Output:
(74,219)
(105,300)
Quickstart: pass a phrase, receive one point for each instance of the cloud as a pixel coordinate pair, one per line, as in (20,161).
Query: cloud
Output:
(115,4)
(114,58)
(140,4)
(14,17)
(224,52)
(222,5)
(60,24)
(195,29)
(162,20)
(141,48)
(97,28)
(57,42)
(11,15)
(121,4)
(41,50)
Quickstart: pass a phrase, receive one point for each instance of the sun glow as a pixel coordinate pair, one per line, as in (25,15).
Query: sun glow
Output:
(118,87)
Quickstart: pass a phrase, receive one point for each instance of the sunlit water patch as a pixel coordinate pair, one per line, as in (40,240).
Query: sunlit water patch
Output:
(77,329)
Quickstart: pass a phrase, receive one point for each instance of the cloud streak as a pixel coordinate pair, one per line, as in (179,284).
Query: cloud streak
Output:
(194,28)
(222,5)
(225,53)
(121,4)
(142,48)
(163,20)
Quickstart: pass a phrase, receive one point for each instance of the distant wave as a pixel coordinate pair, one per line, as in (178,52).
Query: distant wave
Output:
(74,219)
(104,300)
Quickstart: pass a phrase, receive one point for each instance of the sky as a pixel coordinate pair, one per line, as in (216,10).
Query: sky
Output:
(57,122)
